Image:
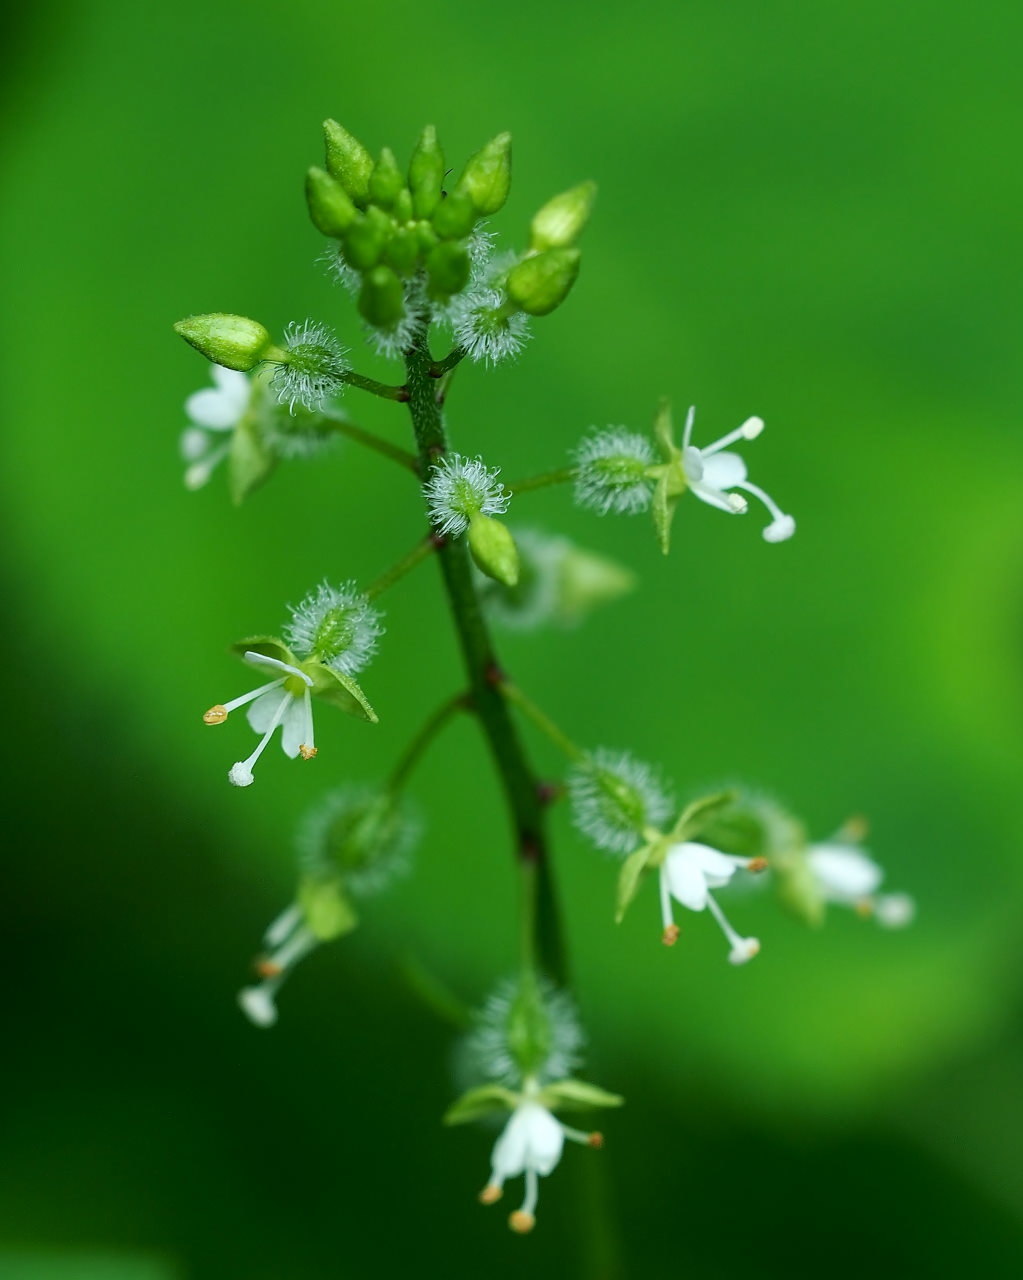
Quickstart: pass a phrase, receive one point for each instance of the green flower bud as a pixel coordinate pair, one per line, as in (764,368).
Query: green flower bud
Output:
(426,237)
(402,252)
(385,181)
(426,173)
(560,222)
(486,178)
(382,298)
(328,913)
(448,268)
(455,216)
(330,208)
(588,580)
(493,548)
(236,342)
(365,239)
(403,206)
(348,161)
(540,283)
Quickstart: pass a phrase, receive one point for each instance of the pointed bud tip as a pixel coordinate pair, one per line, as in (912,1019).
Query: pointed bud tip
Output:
(522,1222)
(215,715)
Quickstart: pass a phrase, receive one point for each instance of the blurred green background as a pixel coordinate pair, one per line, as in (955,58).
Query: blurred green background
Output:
(807,212)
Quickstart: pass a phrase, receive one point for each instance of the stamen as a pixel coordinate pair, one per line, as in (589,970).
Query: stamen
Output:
(749,430)
(667,915)
(491,1193)
(297,946)
(307,750)
(687,433)
(216,715)
(584,1139)
(289,920)
(240,774)
(257,1003)
(264,660)
(199,472)
(596,1140)
(743,949)
(757,864)
(782,526)
(522,1222)
(235,703)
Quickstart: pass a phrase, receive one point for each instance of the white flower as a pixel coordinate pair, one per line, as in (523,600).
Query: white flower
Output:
(712,473)
(288,939)
(460,488)
(612,472)
(214,413)
(530,1144)
(846,875)
(688,874)
(335,625)
(616,798)
(284,702)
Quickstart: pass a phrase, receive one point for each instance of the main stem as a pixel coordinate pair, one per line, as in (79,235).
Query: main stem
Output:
(543,946)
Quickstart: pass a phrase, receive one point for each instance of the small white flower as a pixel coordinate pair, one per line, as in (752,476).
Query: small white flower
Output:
(484,329)
(335,625)
(846,875)
(612,472)
(287,940)
(616,798)
(313,370)
(284,702)
(460,488)
(712,474)
(688,874)
(530,1144)
(214,413)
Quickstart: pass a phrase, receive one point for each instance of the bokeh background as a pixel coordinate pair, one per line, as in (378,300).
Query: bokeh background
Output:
(807,212)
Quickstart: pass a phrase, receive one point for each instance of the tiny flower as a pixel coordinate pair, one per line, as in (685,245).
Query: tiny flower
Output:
(613,472)
(687,874)
(486,327)
(460,488)
(846,875)
(214,412)
(616,799)
(287,940)
(284,702)
(713,475)
(311,370)
(337,626)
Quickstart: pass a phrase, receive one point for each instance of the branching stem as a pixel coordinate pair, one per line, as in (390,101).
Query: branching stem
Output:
(565,475)
(541,720)
(376,443)
(375,388)
(423,548)
(415,750)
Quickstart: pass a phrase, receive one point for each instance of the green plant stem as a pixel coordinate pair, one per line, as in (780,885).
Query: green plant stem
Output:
(522,794)
(542,720)
(382,389)
(378,445)
(413,753)
(565,475)
(423,548)
(438,368)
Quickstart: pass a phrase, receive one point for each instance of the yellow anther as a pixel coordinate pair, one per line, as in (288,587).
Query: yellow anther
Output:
(521,1221)
(757,864)
(490,1194)
(215,715)
(596,1140)
(306,753)
(670,935)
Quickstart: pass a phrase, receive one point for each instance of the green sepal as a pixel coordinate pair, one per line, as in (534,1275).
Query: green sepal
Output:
(448,268)
(561,220)
(629,877)
(576,1095)
(426,173)
(486,1100)
(486,178)
(454,217)
(268,646)
(249,460)
(662,508)
(385,181)
(664,432)
(338,690)
(382,298)
(328,913)
(330,207)
(698,815)
(541,282)
(348,161)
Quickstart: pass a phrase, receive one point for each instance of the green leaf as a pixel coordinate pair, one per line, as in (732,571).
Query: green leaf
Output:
(328,913)
(699,814)
(482,1101)
(628,879)
(576,1095)
(339,691)
(249,461)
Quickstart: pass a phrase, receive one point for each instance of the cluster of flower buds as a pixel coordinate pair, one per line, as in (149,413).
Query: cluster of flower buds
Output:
(525,1044)
(621,805)
(411,250)
(618,470)
(351,846)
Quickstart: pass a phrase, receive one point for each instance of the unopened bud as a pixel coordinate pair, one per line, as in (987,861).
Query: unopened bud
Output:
(426,173)
(486,178)
(348,161)
(365,239)
(541,283)
(493,548)
(236,342)
(402,251)
(448,268)
(385,181)
(454,216)
(560,222)
(382,298)
(330,208)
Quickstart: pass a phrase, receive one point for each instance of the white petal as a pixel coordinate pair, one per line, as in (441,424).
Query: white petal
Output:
(723,470)
(233,385)
(257,1003)
(261,712)
(685,879)
(545,1138)
(509,1154)
(293,727)
(212,409)
(845,874)
(718,868)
